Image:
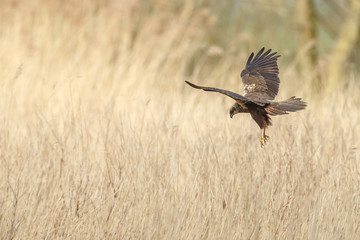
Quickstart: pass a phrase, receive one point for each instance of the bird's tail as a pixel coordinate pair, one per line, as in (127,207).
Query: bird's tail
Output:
(292,104)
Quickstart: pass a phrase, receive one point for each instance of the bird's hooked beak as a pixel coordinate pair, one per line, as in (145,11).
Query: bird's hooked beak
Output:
(231,114)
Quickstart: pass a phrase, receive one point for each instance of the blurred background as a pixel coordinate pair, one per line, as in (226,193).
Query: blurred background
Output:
(101,138)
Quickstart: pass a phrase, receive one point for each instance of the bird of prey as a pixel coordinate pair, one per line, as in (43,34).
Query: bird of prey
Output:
(261,85)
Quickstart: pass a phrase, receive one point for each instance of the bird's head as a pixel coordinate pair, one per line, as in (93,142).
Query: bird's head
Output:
(233,109)
(236,108)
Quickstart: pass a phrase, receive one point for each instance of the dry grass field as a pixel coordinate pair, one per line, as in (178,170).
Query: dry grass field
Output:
(100,138)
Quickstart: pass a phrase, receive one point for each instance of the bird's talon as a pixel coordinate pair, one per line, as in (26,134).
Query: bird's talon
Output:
(262,142)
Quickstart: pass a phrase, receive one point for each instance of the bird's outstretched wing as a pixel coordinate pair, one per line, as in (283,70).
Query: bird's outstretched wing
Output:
(235,96)
(260,77)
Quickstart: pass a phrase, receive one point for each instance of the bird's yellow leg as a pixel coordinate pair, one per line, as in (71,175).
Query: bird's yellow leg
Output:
(263,138)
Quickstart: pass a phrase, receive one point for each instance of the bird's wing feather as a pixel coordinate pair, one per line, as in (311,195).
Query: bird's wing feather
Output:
(235,96)
(260,76)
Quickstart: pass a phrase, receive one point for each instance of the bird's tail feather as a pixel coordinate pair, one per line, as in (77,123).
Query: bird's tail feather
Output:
(292,104)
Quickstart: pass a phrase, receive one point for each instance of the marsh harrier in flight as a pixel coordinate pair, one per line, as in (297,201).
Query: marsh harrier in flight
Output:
(261,84)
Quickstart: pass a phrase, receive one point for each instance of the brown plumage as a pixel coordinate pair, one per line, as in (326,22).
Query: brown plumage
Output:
(261,85)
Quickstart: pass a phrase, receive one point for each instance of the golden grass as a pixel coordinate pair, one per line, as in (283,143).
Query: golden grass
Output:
(101,139)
